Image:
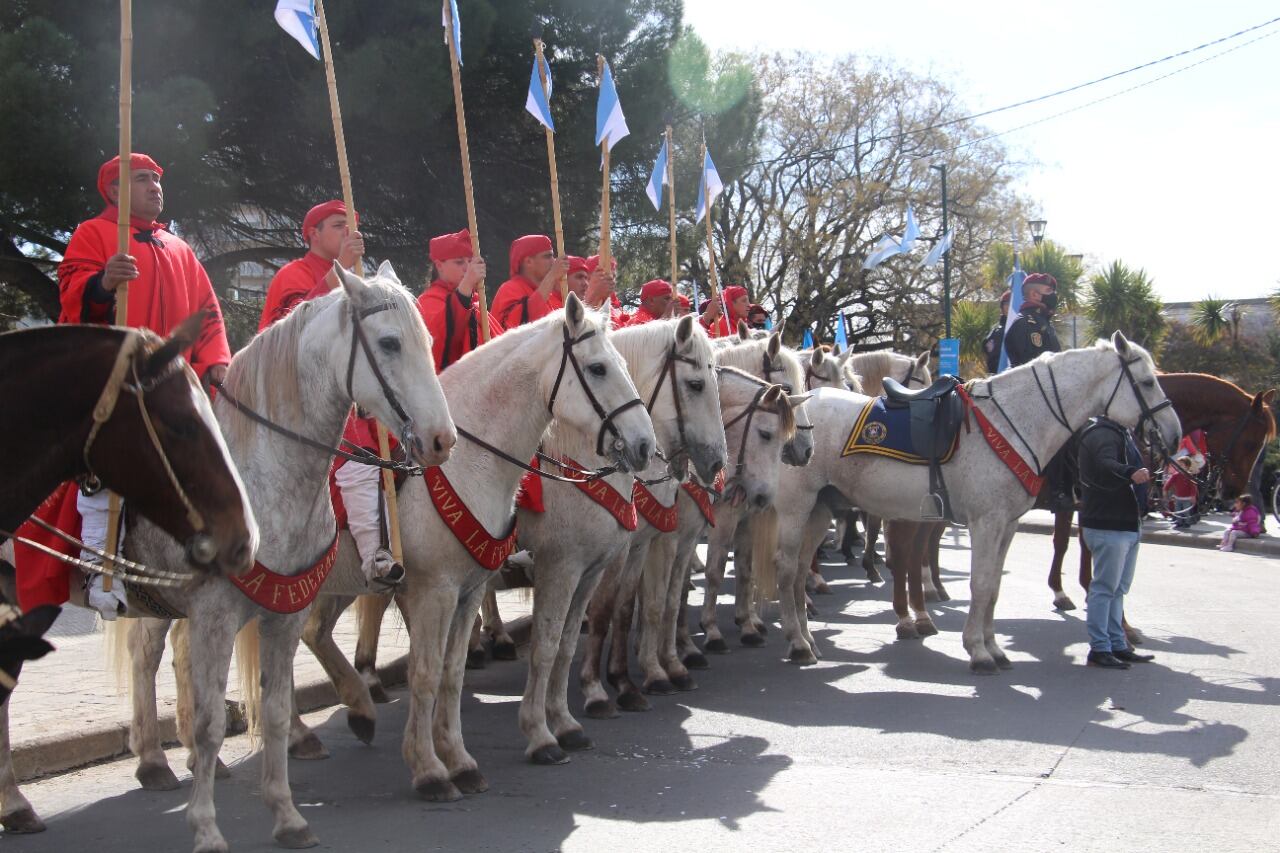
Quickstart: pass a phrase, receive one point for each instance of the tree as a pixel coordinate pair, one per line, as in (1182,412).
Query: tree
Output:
(1123,298)
(1048,257)
(1211,319)
(970,323)
(1252,365)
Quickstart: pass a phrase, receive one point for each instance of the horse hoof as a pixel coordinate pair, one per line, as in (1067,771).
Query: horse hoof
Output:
(1134,636)
(822,589)
(1004,663)
(873,576)
(220,770)
(717,646)
(926,628)
(1063,604)
(696,660)
(378,694)
(684,683)
(470,781)
(802,657)
(549,755)
(762,628)
(811,609)
(755,641)
(475,659)
(575,740)
(218,845)
(308,749)
(22,822)
(633,702)
(156,777)
(296,839)
(660,687)
(601,709)
(983,667)
(504,651)
(438,791)
(942,595)
(361,726)
(907,631)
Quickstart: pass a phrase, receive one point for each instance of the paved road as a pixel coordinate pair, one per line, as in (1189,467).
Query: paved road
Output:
(883,745)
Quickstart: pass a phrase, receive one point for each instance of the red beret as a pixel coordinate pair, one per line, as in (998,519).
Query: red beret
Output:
(733,292)
(1041,278)
(684,301)
(657,287)
(447,247)
(594,261)
(1004,298)
(577,264)
(319,214)
(110,171)
(526,247)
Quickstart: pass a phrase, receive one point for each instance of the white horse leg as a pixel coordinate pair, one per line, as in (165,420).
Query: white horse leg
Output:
(553,599)
(630,698)
(464,772)
(717,556)
(210,660)
(796,544)
(504,648)
(599,612)
(16,814)
(278,647)
(433,605)
(568,731)
(180,635)
(654,580)
(745,613)
(353,691)
(991,540)
(146,647)
(672,616)
(369,612)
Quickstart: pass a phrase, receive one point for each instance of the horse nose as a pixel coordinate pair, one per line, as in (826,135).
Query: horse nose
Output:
(442,443)
(808,454)
(761,500)
(644,451)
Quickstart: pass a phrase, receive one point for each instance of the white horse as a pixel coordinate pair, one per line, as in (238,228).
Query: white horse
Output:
(303,373)
(1115,378)
(509,390)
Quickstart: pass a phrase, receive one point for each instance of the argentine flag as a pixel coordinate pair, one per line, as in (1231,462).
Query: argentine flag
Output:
(450,9)
(658,179)
(709,188)
(1015,307)
(941,248)
(538,102)
(611,124)
(910,234)
(842,337)
(885,249)
(807,343)
(298,19)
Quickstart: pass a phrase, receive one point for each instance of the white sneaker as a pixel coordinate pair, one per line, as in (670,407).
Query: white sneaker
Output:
(109,604)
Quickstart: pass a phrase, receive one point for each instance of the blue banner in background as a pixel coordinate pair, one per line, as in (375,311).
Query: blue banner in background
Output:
(949,356)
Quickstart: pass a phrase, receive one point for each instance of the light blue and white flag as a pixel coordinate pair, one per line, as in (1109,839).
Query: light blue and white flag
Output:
(710,185)
(611,124)
(298,19)
(768,323)
(910,234)
(1015,307)
(940,248)
(538,102)
(807,343)
(450,9)
(658,179)
(842,337)
(885,249)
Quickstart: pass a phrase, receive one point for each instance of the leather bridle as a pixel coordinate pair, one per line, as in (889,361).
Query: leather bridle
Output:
(1148,412)
(567,358)
(408,437)
(748,413)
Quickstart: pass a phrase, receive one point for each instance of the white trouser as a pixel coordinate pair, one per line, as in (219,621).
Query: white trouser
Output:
(360,495)
(93,532)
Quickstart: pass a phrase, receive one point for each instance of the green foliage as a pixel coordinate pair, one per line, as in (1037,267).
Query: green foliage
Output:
(1251,365)
(970,323)
(1210,319)
(1048,257)
(1123,298)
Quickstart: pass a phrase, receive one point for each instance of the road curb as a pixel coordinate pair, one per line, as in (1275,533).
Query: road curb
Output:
(1265,546)
(61,752)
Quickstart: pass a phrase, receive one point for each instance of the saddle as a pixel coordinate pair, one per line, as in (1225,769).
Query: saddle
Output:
(936,414)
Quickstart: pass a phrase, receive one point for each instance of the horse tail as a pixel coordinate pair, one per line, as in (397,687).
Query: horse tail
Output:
(249,673)
(119,661)
(763,527)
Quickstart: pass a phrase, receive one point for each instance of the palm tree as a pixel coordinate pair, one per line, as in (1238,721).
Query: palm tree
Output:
(1210,319)
(1123,298)
(1048,257)
(970,323)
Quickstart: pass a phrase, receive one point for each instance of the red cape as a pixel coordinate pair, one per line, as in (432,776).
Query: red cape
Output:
(640,317)
(450,323)
(518,302)
(291,285)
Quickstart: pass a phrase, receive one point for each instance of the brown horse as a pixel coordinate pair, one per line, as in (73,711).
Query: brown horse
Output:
(1237,427)
(51,381)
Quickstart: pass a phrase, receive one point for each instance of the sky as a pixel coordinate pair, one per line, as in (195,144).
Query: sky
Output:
(1179,177)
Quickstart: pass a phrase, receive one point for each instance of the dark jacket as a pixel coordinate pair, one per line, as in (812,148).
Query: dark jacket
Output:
(992,345)
(1108,459)
(1031,334)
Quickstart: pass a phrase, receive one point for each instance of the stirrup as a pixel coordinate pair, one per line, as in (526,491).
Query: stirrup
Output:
(931,508)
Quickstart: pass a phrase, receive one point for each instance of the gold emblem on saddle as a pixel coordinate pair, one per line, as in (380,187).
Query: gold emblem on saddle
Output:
(874,433)
(1036,340)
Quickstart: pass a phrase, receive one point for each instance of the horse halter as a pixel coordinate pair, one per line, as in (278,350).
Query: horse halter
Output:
(749,413)
(127,361)
(408,436)
(606,417)
(1148,412)
(669,368)
(910,376)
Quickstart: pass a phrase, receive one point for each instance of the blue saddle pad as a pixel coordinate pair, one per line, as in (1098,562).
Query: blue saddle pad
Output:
(886,432)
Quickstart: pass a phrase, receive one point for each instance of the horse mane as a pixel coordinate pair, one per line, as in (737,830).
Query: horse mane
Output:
(785,412)
(874,366)
(748,356)
(636,344)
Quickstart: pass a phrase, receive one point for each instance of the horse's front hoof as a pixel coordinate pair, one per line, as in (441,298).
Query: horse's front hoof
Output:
(907,631)
(504,651)
(361,726)
(926,628)
(296,839)
(475,659)
(1063,603)
(983,666)
(752,640)
(601,709)
(470,781)
(548,755)
(762,628)
(575,740)
(802,657)
(156,777)
(1003,662)
(717,646)
(633,702)
(695,660)
(438,791)
(684,683)
(22,822)
(660,687)
(309,748)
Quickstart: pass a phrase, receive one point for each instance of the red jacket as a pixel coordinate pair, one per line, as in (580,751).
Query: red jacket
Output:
(452,321)
(640,317)
(518,302)
(291,285)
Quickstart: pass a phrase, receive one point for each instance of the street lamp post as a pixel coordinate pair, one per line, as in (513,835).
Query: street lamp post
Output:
(946,257)
(1037,230)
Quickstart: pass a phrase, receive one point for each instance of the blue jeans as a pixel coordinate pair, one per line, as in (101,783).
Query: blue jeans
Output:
(1115,554)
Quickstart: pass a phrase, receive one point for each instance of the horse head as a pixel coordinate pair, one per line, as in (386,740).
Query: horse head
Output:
(1257,429)
(825,371)
(758,428)
(1135,398)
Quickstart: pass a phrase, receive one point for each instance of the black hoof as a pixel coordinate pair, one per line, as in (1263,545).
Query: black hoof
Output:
(717,646)
(470,782)
(762,628)
(438,791)
(907,632)
(548,755)
(753,640)
(378,694)
(1004,663)
(633,702)
(156,777)
(296,839)
(601,709)
(309,748)
(696,660)
(1062,605)
(504,651)
(873,576)
(22,822)
(575,740)
(361,726)
(684,683)
(802,657)
(983,667)
(475,659)
(660,687)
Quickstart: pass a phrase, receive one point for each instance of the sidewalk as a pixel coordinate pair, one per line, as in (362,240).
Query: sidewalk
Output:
(68,710)
(1206,534)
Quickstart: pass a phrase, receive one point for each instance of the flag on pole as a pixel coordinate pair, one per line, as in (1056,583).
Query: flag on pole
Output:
(910,234)
(842,337)
(611,124)
(298,19)
(710,185)
(658,179)
(537,102)
(1015,307)
(807,343)
(940,248)
(768,323)
(885,249)
(457,28)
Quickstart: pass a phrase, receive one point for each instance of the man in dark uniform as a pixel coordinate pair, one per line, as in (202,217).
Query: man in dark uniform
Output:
(1032,333)
(994,341)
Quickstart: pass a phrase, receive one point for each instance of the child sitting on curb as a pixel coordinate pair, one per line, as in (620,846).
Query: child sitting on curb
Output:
(1246,522)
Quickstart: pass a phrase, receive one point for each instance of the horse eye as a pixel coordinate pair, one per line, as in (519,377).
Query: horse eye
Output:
(185,429)
(1148,383)
(598,369)
(786,386)
(695,385)
(389,345)
(765,436)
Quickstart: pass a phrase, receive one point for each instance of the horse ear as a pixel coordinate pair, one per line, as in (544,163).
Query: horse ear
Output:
(835,349)
(743,331)
(353,284)
(772,395)
(797,400)
(575,314)
(1120,342)
(385,270)
(845,356)
(775,345)
(922,360)
(817,357)
(182,339)
(1263,398)
(684,331)
(1269,396)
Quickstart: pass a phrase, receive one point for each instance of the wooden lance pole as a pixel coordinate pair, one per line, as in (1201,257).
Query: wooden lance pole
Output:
(123,204)
(606,258)
(671,203)
(712,281)
(353,222)
(482,299)
(555,175)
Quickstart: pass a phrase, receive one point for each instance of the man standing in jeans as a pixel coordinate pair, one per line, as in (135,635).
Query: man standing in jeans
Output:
(1115,493)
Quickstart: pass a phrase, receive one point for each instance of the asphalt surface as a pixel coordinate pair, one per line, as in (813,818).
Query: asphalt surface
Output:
(883,745)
